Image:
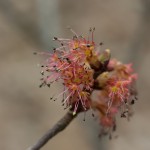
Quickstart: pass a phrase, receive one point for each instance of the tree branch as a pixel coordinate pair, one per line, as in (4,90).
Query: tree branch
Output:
(58,127)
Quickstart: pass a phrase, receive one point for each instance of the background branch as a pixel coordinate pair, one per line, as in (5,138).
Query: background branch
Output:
(58,127)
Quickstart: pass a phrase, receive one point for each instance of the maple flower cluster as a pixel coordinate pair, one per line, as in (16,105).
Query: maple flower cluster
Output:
(82,68)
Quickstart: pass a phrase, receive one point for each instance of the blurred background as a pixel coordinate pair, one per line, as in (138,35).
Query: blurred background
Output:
(26,111)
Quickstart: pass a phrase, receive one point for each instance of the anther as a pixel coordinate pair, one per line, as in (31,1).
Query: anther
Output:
(49,85)
(93,115)
(114,127)
(42,72)
(41,85)
(123,115)
(51,98)
(55,38)
(88,45)
(54,49)
(55,99)
(101,43)
(74,37)
(132,102)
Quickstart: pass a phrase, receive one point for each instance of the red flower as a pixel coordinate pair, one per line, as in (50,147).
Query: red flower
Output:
(83,69)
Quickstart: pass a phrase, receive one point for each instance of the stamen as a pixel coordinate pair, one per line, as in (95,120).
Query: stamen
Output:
(75,108)
(73,31)
(84,116)
(93,34)
(67,98)
(90,30)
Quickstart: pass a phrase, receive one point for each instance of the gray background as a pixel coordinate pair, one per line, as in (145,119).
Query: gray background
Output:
(25,110)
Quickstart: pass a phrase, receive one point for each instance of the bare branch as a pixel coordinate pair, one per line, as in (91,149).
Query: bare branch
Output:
(58,127)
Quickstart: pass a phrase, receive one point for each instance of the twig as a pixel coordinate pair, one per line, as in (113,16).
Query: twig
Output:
(58,127)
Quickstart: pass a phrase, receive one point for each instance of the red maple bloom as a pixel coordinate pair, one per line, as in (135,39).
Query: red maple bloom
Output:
(83,69)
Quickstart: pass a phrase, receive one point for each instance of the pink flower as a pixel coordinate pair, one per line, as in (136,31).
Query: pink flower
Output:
(69,63)
(83,69)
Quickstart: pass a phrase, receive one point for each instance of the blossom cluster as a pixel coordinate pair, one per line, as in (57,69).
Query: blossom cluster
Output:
(82,68)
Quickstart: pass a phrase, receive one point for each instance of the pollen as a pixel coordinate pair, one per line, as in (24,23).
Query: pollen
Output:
(114,89)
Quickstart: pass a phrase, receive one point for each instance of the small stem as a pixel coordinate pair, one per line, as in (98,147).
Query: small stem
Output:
(58,127)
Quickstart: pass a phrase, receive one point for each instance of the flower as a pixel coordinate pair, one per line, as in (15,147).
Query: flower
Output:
(70,63)
(117,94)
(82,69)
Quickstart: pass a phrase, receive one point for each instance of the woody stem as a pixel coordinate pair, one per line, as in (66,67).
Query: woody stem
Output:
(58,127)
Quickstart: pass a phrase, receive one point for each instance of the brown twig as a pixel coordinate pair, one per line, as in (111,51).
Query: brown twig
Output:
(58,127)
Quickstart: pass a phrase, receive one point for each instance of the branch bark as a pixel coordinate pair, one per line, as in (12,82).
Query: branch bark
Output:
(58,127)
